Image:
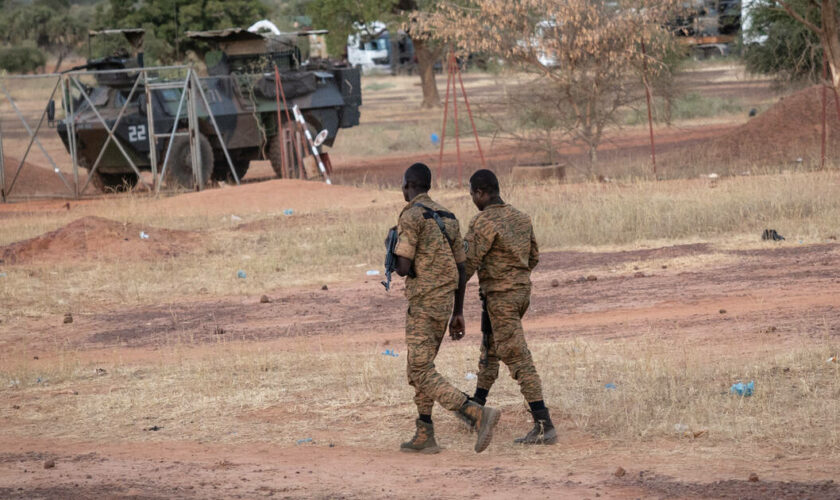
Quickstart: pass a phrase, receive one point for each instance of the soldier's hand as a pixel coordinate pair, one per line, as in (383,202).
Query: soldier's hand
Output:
(457,327)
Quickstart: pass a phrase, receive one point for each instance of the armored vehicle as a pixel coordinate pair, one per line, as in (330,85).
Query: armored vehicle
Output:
(241,92)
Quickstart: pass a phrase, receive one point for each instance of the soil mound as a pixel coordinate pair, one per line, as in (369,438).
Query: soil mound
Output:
(34,179)
(96,238)
(787,133)
(276,196)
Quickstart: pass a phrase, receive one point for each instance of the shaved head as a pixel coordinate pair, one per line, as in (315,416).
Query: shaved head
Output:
(486,181)
(419,175)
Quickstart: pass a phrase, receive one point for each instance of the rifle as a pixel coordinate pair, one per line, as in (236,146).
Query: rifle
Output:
(390,256)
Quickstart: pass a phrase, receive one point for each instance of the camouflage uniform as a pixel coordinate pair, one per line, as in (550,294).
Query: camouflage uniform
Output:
(501,247)
(431,297)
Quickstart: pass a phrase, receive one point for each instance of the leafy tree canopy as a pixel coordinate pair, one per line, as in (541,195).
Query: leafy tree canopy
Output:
(789,50)
(166,21)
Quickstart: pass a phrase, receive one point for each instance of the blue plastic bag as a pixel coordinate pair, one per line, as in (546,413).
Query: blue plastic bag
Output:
(742,389)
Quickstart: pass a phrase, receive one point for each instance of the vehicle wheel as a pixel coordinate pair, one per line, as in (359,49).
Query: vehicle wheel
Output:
(114,183)
(179,171)
(221,170)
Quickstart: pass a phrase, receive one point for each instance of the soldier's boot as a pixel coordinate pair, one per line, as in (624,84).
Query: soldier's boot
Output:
(484,419)
(543,431)
(423,440)
(469,425)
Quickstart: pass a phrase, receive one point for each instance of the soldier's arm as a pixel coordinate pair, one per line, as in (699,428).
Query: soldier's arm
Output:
(457,325)
(407,229)
(534,257)
(479,240)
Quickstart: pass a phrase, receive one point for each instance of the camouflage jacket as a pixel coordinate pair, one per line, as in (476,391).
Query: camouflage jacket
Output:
(421,240)
(501,246)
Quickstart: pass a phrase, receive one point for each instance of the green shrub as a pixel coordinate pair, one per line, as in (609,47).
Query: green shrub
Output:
(23,59)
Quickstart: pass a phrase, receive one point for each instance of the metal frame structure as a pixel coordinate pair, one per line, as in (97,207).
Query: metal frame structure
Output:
(192,94)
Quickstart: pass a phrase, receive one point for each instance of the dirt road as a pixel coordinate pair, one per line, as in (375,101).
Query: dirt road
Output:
(718,302)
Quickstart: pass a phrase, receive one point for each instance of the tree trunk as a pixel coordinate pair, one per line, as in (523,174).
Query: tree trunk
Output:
(426,58)
(61,54)
(831,39)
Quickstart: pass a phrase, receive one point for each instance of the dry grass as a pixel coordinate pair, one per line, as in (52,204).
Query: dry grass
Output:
(339,245)
(235,394)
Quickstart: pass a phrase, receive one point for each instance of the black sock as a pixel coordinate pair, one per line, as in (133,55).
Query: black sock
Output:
(537,405)
(481,395)
(426,418)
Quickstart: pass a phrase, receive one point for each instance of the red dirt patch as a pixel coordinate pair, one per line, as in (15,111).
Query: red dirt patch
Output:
(274,196)
(34,179)
(790,130)
(93,238)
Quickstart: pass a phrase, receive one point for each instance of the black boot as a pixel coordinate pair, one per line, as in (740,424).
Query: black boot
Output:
(484,419)
(543,431)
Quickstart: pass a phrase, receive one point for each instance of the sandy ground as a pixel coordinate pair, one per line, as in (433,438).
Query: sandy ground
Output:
(783,286)
(718,302)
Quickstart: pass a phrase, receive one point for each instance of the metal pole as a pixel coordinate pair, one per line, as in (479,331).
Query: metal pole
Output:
(313,148)
(110,131)
(33,139)
(2,168)
(443,127)
(649,112)
(294,134)
(453,64)
(172,133)
(195,143)
(215,125)
(69,121)
(472,122)
(150,130)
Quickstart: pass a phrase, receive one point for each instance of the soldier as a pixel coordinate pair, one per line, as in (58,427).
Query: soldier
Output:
(430,253)
(501,246)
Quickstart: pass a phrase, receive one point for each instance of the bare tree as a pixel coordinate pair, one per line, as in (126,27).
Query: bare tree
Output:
(586,54)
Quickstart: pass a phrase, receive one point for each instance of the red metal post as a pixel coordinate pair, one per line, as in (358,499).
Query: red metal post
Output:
(443,128)
(295,127)
(453,65)
(824,115)
(472,122)
(650,114)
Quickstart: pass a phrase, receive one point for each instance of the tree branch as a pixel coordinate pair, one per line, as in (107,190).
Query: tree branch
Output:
(808,24)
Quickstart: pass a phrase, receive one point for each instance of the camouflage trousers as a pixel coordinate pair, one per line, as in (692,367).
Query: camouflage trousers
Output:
(503,339)
(425,326)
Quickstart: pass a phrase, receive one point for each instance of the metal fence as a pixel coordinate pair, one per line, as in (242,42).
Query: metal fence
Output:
(91,112)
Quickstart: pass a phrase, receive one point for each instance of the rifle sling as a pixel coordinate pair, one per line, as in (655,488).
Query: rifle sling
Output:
(438,216)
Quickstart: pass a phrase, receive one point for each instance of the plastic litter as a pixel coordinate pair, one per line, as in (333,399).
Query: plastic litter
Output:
(373,272)
(241,274)
(610,386)
(470,376)
(235,218)
(681,428)
(435,139)
(304,440)
(143,236)
(832,359)
(288,211)
(390,352)
(743,389)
